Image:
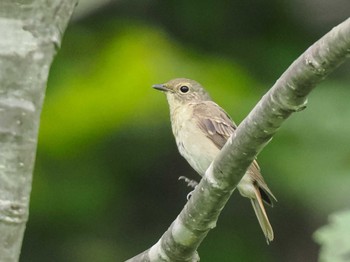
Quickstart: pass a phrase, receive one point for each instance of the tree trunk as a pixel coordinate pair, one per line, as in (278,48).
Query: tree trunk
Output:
(30,34)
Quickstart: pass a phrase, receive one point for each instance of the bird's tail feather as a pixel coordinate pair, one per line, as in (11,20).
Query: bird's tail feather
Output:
(262,216)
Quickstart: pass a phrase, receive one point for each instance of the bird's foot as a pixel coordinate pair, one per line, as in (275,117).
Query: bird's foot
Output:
(190,182)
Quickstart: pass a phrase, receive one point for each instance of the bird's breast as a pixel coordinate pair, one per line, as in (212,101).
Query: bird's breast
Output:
(192,142)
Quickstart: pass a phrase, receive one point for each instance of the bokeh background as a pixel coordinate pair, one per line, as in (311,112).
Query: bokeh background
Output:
(105,184)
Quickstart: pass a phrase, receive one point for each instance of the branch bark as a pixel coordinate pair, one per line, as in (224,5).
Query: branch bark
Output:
(288,95)
(30,35)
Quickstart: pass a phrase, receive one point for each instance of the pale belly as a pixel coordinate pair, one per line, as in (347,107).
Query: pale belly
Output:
(199,150)
(195,147)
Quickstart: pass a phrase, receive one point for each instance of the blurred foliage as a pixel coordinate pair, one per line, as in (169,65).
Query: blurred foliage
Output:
(115,87)
(334,238)
(105,186)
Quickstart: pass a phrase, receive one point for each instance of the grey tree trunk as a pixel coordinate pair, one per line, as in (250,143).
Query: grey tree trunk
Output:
(30,33)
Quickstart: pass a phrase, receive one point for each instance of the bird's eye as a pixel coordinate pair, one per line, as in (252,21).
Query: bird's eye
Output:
(184,89)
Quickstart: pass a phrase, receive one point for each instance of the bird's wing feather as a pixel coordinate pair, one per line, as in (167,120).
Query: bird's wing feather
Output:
(218,127)
(214,122)
(265,191)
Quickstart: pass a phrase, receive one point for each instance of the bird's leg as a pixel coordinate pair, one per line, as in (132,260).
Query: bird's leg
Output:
(190,182)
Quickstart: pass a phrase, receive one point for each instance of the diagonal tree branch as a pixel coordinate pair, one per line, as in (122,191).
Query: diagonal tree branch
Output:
(31,32)
(288,95)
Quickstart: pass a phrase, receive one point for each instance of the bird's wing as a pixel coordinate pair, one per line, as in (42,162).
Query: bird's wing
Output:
(214,122)
(265,191)
(218,127)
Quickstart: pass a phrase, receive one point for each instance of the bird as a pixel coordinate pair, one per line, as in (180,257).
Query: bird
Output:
(201,128)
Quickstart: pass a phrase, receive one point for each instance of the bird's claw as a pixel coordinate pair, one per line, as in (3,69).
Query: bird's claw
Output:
(190,182)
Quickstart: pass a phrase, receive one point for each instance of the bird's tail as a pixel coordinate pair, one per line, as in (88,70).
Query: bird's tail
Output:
(262,216)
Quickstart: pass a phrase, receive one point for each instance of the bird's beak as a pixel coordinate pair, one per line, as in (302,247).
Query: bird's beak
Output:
(161,87)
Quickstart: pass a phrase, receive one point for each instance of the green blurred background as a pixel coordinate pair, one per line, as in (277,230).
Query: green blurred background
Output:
(105,184)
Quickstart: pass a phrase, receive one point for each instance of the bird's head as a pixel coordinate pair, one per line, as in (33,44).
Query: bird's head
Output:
(181,91)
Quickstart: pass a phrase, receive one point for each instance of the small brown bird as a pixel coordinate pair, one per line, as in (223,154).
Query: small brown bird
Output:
(201,128)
